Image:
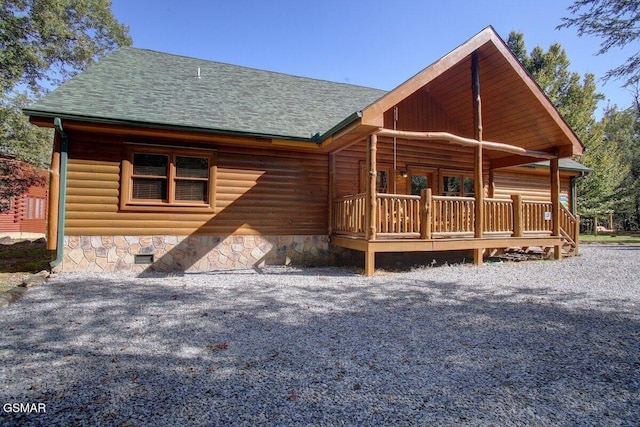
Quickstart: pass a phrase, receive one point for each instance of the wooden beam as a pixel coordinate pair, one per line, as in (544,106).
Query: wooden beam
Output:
(466,142)
(370,204)
(332,190)
(425,213)
(54,195)
(518,219)
(477,158)
(555,205)
(369,262)
(461,243)
(515,160)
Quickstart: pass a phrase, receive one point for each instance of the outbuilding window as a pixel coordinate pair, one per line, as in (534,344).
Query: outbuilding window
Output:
(155,177)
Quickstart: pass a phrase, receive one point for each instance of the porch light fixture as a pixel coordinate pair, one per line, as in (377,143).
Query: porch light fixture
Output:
(403,173)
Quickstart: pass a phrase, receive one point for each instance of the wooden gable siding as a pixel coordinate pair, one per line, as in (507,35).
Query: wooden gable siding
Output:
(269,192)
(421,112)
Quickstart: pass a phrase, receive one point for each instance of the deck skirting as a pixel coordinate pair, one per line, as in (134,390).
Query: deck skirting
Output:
(371,247)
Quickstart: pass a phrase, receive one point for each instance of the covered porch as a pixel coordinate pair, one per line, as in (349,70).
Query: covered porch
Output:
(442,123)
(428,223)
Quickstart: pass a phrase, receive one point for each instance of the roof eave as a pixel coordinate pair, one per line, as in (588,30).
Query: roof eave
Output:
(313,141)
(340,126)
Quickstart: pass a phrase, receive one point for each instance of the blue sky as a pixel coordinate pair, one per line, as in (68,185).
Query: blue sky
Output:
(373,43)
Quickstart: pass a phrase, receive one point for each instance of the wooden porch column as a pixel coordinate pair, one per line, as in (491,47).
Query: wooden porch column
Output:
(332,190)
(425,213)
(555,205)
(54,195)
(370,204)
(492,184)
(477,158)
(518,220)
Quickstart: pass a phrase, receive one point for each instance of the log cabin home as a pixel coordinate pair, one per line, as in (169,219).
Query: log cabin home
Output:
(27,214)
(168,162)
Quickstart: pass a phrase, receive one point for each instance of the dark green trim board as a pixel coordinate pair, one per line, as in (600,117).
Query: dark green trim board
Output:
(62,188)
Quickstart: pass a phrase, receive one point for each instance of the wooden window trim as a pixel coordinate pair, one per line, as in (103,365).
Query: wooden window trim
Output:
(127,203)
(422,170)
(455,173)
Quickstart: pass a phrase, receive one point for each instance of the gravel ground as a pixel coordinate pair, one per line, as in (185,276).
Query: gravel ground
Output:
(532,343)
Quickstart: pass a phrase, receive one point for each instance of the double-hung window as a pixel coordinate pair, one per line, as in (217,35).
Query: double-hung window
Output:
(162,177)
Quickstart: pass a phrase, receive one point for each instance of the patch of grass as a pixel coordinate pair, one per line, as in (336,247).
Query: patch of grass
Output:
(609,239)
(20,259)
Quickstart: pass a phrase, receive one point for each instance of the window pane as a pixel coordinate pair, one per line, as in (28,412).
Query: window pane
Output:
(146,188)
(469,187)
(418,183)
(382,182)
(150,164)
(451,186)
(191,190)
(192,167)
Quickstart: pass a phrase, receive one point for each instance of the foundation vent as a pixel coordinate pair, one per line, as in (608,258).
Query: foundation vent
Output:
(143,259)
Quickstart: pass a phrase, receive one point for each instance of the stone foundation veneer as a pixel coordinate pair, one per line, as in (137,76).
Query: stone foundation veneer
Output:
(191,253)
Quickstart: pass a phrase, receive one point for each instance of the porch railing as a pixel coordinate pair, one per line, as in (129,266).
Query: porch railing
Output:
(398,215)
(348,215)
(570,228)
(537,217)
(498,217)
(452,216)
(427,217)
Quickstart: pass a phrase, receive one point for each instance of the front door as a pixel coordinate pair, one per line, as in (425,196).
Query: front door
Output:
(420,179)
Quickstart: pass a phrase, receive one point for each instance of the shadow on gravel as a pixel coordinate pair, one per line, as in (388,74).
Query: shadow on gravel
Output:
(343,350)
(268,271)
(619,247)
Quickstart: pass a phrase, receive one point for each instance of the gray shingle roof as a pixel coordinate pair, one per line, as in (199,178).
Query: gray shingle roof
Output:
(134,85)
(565,164)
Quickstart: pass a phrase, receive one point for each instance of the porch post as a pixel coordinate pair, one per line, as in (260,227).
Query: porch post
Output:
(332,190)
(370,204)
(425,213)
(477,163)
(555,205)
(518,220)
(492,184)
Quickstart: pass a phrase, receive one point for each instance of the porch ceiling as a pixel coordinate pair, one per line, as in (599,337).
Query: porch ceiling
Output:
(515,110)
(512,112)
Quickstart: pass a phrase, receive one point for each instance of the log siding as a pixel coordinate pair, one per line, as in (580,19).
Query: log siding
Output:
(256,192)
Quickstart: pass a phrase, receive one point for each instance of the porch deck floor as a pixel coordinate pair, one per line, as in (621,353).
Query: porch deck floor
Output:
(478,245)
(442,244)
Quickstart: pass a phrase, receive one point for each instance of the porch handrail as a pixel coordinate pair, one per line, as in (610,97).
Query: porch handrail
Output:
(570,227)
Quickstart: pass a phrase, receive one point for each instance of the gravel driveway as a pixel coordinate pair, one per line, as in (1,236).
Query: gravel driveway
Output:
(532,343)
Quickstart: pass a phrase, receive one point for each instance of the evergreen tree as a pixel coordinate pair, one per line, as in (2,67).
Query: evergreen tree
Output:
(617,22)
(574,96)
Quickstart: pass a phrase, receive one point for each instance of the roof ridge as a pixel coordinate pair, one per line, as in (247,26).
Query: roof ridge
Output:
(246,67)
